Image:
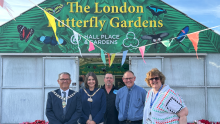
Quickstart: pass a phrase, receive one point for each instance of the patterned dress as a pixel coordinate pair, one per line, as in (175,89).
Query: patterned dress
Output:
(165,108)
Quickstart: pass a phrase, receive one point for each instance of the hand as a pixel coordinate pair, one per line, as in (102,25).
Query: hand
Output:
(92,122)
(88,122)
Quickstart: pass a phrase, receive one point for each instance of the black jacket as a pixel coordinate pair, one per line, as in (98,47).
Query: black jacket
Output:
(111,114)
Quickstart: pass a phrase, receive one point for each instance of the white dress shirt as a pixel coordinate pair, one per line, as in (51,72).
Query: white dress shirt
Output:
(67,92)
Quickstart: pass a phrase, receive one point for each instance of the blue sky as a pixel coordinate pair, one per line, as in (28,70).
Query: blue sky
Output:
(206,12)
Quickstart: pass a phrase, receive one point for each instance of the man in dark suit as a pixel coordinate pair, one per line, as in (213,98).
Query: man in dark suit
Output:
(63,105)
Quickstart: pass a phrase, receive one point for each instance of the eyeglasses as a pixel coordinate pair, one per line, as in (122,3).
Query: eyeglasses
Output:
(64,79)
(156,78)
(128,78)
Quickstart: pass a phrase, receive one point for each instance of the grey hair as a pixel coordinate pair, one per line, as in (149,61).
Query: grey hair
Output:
(129,71)
(64,73)
(108,73)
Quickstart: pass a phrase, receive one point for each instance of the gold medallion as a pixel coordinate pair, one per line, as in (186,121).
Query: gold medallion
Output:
(64,104)
(90,99)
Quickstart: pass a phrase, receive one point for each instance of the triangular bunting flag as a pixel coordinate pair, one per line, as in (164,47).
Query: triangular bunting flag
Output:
(91,46)
(103,57)
(194,38)
(142,50)
(52,22)
(2,3)
(112,58)
(7,7)
(166,43)
(124,57)
(109,60)
(76,36)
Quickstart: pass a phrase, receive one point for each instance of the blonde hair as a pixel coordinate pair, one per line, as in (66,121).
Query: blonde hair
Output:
(154,72)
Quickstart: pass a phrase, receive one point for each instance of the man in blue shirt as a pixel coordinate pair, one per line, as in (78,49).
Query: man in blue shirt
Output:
(130,101)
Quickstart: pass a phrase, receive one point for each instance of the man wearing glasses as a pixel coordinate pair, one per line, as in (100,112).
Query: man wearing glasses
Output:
(130,101)
(63,105)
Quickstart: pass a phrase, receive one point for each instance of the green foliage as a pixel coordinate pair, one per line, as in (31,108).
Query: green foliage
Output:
(173,22)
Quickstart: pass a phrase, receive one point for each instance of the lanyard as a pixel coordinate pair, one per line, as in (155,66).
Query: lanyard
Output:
(151,103)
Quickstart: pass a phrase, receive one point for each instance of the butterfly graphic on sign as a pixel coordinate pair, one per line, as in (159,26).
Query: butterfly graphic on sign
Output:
(156,11)
(182,35)
(25,33)
(51,40)
(55,9)
(155,38)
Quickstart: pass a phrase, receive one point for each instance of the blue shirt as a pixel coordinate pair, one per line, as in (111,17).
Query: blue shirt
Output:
(136,103)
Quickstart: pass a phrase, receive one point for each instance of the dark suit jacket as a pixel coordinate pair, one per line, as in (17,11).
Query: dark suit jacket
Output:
(54,109)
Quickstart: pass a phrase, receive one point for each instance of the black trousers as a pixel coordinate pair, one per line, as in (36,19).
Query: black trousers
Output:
(131,122)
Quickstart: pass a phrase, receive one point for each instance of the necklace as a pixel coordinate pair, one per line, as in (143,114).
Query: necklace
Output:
(63,98)
(90,96)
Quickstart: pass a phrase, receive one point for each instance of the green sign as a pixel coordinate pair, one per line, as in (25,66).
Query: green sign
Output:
(112,25)
(101,69)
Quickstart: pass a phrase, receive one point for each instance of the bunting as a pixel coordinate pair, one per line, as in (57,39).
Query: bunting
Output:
(166,43)
(124,57)
(76,36)
(52,22)
(103,57)
(91,46)
(2,3)
(194,38)
(112,58)
(7,7)
(109,60)
(142,49)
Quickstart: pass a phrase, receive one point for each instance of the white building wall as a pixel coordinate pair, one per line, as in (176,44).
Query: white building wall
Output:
(213,86)
(25,82)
